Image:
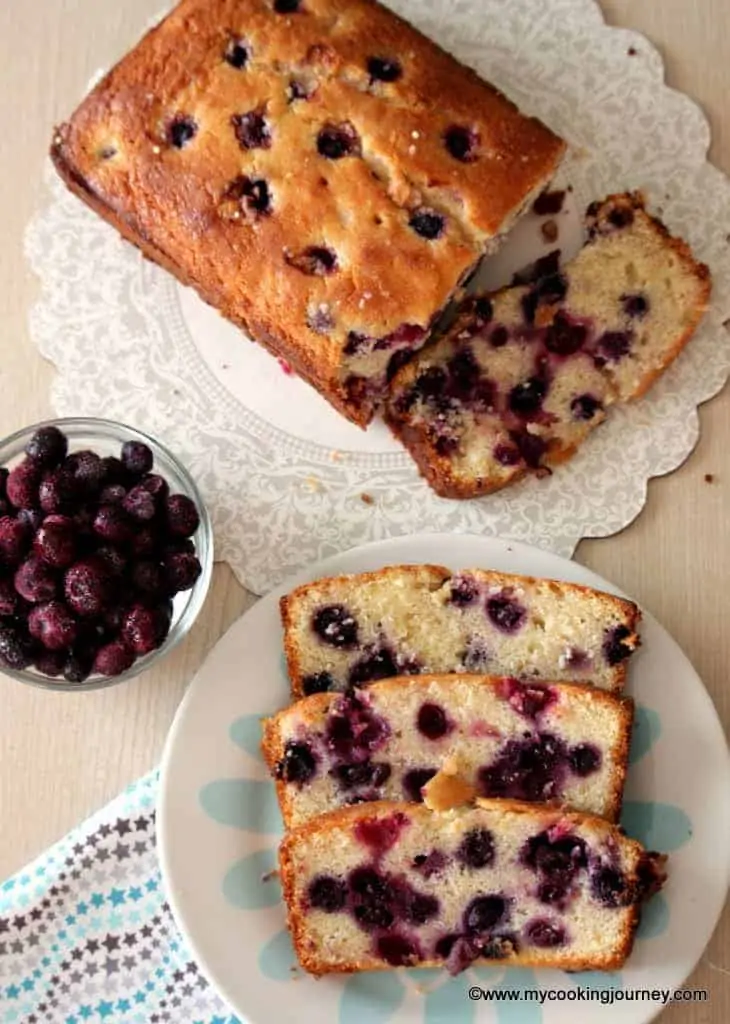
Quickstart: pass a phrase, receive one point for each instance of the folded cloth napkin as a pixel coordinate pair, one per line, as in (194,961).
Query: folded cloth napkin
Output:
(86,934)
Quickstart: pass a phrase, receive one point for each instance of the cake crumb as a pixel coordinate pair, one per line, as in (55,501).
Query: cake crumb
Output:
(632,51)
(270,875)
(336,456)
(415,135)
(156,150)
(367,499)
(411,150)
(709,478)
(313,484)
(549,230)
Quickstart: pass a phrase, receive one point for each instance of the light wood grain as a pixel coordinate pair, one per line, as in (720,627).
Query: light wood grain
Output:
(62,757)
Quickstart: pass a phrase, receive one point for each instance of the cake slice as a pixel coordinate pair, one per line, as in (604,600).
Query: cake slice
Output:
(559,742)
(321,173)
(525,374)
(414,619)
(389,884)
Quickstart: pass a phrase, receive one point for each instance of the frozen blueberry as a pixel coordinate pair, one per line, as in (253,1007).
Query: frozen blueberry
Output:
(483,913)
(138,503)
(35,581)
(585,758)
(51,663)
(137,458)
(16,648)
(140,629)
(252,129)
(507,614)
(14,540)
(155,485)
(148,579)
(585,407)
(113,525)
(113,559)
(144,542)
(53,625)
(427,223)
(544,933)
(384,69)
(525,399)
(432,721)
(181,130)
(476,849)
(47,447)
(56,490)
(113,494)
(316,260)
(335,625)
(327,893)
(22,484)
(462,143)
(236,54)
(615,647)
(181,515)
(9,599)
(414,781)
(79,663)
(335,141)
(318,682)
(85,471)
(113,471)
(298,763)
(113,659)
(181,572)
(87,586)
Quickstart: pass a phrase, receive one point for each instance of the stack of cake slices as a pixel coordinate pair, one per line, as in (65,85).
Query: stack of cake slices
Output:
(451,769)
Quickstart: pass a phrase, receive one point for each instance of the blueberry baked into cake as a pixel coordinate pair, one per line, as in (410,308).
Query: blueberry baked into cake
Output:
(320,172)
(526,373)
(348,631)
(557,742)
(394,884)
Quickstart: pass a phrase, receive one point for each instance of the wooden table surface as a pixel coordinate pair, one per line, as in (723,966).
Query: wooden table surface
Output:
(63,756)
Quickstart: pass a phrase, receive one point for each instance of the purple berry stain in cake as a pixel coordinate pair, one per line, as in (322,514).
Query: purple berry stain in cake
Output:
(252,129)
(635,306)
(618,644)
(530,769)
(316,260)
(609,887)
(476,655)
(253,195)
(505,612)
(430,864)
(565,337)
(529,701)
(532,448)
(181,131)
(298,765)
(327,893)
(543,267)
(557,856)
(462,143)
(584,759)
(507,455)
(336,141)
(612,346)
(361,773)
(545,933)
(398,950)
(484,913)
(498,336)
(585,407)
(427,223)
(433,722)
(549,203)
(336,626)
(476,849)
(353,731)
(236,54)
(413,782)
(380,834)
(526,398)
(288,6)
(377,663)
(318,682)
(384,69)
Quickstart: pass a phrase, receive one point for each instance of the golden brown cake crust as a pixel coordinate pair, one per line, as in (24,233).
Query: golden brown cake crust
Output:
(542,815)
(211,63)
(311,710)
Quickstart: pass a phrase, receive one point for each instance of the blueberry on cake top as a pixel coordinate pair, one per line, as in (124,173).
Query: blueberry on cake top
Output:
(387,885)
(348,631)
(557,742)
(525,374)
(320,172)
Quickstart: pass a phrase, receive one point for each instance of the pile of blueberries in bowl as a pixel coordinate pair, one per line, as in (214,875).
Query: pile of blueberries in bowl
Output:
(105,553)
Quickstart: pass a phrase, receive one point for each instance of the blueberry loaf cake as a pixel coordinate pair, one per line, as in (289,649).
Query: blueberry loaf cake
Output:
(418,619)
(320,172)
(526,373)
(557,742)
(390,884)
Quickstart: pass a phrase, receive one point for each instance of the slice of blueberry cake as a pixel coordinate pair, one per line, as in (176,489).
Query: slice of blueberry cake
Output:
(525,374)
(390,884)
(420,619)
(558,742)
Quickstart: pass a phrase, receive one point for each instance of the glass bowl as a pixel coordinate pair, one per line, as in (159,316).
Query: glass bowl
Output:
(105,437)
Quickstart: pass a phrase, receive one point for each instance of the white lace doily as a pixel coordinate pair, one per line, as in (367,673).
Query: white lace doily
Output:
(284,475)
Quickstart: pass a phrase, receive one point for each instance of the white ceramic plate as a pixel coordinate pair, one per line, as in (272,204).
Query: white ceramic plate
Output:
(218,828)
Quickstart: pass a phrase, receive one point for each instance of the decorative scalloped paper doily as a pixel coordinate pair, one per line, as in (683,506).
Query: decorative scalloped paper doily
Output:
(283,474)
